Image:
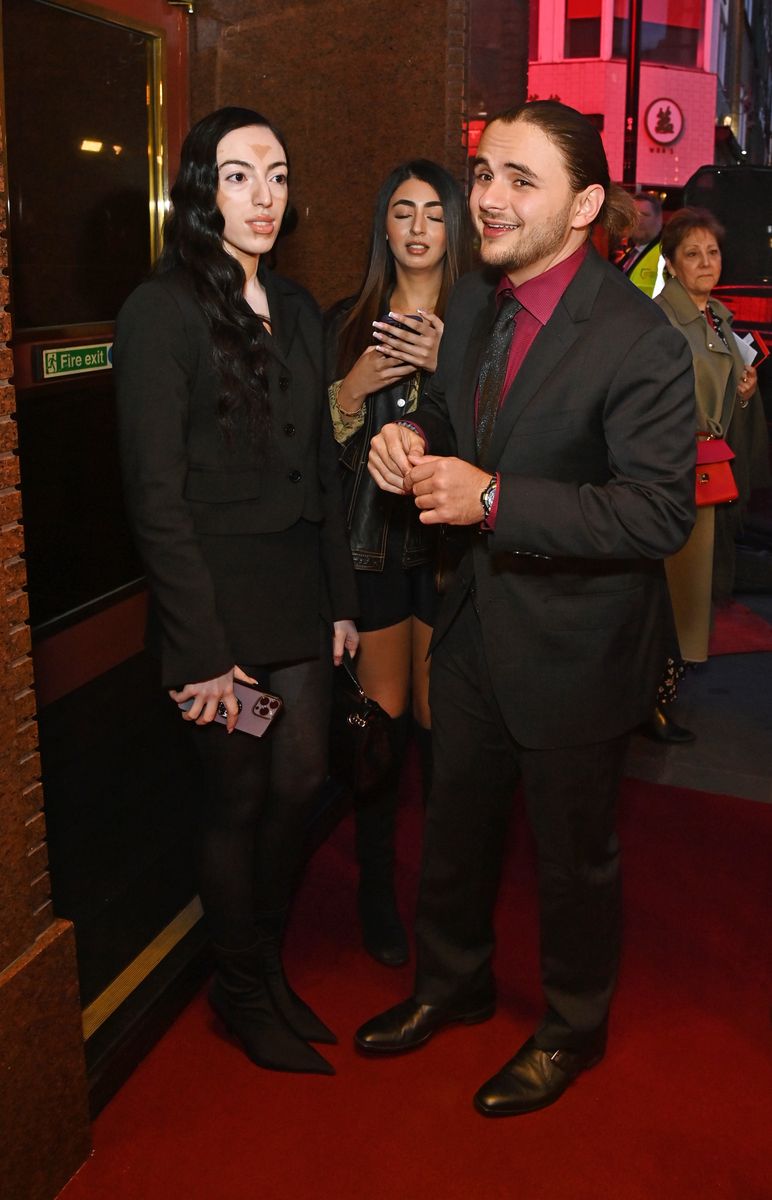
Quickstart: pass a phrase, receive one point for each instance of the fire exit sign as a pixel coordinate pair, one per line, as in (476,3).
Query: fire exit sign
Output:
(56,362)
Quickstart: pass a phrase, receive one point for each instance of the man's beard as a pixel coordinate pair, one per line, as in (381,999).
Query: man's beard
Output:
(540,243)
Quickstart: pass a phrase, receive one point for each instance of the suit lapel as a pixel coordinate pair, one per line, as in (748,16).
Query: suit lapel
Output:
(284,316)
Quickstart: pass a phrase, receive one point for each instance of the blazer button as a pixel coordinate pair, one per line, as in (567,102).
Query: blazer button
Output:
(289,429)
(284,382)
(295,476)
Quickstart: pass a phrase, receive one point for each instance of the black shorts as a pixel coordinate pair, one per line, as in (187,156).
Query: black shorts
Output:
(392,595)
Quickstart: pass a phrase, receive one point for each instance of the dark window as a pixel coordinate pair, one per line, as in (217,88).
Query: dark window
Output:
(670,31)
(582,29)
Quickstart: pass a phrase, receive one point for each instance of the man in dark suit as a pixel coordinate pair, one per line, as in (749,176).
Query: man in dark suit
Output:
(559,430)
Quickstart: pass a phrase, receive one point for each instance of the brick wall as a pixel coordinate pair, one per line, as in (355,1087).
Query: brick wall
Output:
(24,884)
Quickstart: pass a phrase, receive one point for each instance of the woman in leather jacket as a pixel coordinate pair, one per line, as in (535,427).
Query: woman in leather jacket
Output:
(231,485)
(382,345)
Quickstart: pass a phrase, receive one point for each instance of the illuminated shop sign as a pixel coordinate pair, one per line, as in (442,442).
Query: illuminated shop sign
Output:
(664,121)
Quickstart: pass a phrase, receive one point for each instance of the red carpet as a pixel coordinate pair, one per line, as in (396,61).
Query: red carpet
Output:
(738,630)
(680,1109)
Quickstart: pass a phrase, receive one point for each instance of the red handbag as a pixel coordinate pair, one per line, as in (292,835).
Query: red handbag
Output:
(715,482)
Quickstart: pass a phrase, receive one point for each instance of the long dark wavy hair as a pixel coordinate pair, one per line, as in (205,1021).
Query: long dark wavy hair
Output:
(372,299)
(193,241)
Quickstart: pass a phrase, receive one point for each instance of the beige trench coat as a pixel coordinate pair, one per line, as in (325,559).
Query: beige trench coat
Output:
(717,371)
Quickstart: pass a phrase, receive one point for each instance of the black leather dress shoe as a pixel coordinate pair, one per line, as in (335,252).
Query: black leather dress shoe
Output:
(662,728)
(410,1024)
(533,1079)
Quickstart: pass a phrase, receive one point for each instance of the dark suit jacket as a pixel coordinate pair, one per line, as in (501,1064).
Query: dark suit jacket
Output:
(595,445)
(243,552)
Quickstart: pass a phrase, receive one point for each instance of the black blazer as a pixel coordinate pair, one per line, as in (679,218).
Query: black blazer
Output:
(595,445)
(242,552)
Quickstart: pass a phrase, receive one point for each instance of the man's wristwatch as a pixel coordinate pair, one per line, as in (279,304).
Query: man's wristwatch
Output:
(488,495)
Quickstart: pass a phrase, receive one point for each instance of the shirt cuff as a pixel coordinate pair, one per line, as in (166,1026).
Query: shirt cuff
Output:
(416,429)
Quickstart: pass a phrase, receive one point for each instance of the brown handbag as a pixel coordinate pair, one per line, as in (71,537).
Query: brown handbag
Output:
(715,482)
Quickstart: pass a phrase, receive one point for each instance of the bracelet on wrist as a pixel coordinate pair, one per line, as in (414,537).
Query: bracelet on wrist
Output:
(345,413)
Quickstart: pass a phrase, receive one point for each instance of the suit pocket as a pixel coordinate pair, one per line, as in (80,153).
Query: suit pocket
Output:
(594,610)
(222,487)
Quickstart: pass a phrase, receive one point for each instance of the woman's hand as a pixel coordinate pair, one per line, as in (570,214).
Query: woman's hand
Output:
(389,460)
(344,637)
(420,348)
(208,695)
(371,372)
(747,385)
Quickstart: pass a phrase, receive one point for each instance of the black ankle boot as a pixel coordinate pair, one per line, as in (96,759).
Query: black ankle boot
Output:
(240,997)
(383,933)
(298,1015)
(660,728)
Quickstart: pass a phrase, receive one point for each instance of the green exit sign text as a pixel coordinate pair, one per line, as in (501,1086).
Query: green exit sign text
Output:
(75,360)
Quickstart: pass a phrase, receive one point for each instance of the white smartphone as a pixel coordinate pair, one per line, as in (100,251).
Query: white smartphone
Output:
(257,709)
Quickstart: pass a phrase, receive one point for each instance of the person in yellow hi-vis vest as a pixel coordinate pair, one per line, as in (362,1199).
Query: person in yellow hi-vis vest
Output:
(643,263)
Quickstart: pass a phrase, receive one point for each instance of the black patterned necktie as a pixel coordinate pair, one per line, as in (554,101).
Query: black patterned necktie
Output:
(493,372)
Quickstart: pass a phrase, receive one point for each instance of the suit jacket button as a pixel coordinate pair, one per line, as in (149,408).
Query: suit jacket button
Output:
(289,429)
(295,476)
(284,382)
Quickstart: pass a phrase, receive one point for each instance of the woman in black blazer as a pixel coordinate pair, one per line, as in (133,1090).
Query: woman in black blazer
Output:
(230,475)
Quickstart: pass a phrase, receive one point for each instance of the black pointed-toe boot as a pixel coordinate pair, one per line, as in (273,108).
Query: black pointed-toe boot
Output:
(298,1015)
(240,996)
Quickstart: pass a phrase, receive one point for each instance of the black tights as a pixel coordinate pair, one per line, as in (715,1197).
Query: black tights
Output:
(257,797)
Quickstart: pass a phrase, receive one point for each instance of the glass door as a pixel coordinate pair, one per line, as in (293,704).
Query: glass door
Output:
(94,97)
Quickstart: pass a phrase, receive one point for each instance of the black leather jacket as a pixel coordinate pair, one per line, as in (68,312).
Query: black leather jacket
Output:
(370,513)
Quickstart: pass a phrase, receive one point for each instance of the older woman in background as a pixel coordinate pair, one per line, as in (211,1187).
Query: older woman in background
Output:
(728,406)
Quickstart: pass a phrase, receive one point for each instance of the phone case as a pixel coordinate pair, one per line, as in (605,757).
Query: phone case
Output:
(389,320)
(257,709)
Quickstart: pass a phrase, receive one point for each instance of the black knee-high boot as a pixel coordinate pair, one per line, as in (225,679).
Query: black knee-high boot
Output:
(298,1015)
(240,996)
(423,739)
(383,933)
